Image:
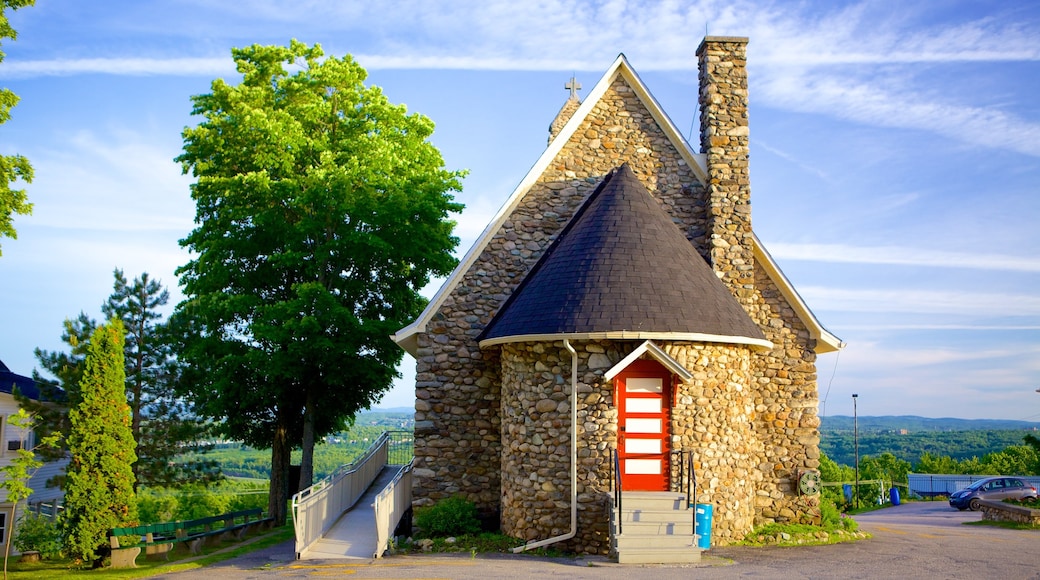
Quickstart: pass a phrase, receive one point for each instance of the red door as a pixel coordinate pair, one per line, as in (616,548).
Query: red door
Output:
(644,396)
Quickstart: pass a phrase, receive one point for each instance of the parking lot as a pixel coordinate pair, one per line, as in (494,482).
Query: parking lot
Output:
(913,540)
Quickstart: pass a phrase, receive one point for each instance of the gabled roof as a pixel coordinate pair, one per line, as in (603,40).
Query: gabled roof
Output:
(622,268)
(407,336)
(657,353)
(825,341)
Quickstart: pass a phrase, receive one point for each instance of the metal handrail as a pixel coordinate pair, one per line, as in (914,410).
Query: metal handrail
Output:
(615,481)
(335,494)
(390,506)
(688,475)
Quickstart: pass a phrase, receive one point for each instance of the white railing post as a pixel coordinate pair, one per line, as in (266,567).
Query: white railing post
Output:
(391,505)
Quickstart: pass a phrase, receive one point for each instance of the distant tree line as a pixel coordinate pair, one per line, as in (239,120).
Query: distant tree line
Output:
(914,446)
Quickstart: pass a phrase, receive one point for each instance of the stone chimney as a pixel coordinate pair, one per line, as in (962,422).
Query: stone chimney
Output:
(722,65)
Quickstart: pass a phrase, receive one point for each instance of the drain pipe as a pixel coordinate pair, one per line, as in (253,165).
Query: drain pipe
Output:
(574,460)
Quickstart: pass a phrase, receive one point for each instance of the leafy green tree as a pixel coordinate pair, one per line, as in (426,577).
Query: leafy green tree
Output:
(932,463)
(99,490)
(1034,442)
(831,472)
(322,210)
(885,466)
(1012,460)
(12,167)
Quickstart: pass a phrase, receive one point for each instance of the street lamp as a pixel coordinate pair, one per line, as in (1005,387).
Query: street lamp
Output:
(855,437)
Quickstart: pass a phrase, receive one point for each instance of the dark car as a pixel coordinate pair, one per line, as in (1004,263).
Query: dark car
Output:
(994,488)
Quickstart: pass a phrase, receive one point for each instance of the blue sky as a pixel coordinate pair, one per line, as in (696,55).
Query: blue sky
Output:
(895,155)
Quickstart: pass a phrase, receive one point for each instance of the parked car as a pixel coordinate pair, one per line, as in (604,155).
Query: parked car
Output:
(994,488)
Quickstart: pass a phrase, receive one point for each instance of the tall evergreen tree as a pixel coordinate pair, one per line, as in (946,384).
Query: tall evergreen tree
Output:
(99,490)
(322,210)
(162,425)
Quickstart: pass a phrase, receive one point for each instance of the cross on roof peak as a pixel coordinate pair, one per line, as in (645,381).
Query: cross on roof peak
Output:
(574,86)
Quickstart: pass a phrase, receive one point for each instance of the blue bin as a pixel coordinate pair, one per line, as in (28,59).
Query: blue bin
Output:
(702,520)
(893,494)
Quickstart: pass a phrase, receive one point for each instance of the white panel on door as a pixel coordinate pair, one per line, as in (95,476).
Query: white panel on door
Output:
(642,445)
(634,405)
(643,425)
(643,466)
(644,385)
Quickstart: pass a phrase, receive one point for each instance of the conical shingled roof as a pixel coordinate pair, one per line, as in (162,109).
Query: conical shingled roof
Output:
(622,267)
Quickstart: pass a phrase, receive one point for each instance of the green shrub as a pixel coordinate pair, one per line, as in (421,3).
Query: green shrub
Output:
(37,533)
(454,516)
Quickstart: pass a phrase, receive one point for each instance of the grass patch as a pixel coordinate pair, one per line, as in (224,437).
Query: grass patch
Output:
(179,561)
(1005,525)
(799,535)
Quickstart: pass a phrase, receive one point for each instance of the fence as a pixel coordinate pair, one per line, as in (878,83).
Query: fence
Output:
(934,484)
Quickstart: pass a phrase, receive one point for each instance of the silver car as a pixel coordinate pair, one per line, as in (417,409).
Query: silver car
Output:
(993,488)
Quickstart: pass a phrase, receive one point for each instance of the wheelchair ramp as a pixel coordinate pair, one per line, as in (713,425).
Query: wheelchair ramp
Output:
(353,536)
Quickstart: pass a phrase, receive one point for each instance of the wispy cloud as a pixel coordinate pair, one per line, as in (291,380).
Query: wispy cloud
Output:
(123,66)
(117,181)
(900,300)
(903,256)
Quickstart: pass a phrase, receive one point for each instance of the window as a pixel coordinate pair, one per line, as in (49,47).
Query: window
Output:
(3,524)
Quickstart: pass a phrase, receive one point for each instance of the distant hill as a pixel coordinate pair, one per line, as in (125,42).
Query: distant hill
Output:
(912,423)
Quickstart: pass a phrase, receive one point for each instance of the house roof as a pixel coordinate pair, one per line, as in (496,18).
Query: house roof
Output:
(9,380)
(622,267)
(407,337)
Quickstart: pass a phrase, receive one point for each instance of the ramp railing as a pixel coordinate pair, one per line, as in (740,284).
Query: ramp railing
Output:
(391,505)
(316,508)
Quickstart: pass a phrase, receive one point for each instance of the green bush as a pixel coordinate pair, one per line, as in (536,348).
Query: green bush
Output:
(454,516)
(37,533)
(155,507)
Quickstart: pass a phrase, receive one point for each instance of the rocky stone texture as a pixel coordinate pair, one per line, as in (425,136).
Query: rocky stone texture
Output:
(494,425)
(723,103)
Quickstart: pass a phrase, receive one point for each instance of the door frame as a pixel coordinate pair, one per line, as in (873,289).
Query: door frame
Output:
(642,481)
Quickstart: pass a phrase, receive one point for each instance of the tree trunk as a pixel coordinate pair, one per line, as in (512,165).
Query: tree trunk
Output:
(280,458)
(307,455)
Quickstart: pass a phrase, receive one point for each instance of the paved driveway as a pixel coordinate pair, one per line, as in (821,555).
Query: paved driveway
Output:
(914,540)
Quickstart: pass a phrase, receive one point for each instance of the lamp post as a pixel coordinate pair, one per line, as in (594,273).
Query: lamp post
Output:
(855,438)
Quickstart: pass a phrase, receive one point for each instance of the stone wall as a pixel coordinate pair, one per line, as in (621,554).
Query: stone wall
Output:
(536,423)
(998,511)
(493,425)
(712,417)
(723,100)
(786,399)
(457,386)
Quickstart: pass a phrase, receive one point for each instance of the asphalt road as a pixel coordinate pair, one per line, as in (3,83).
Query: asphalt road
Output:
(913,540)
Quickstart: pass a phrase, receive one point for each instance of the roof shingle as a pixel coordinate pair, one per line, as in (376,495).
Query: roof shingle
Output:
(621,264)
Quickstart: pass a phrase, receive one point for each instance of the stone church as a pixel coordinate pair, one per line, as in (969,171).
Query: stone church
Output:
(620,310)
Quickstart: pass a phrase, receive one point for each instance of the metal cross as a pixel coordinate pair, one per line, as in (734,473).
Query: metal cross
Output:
(574,87)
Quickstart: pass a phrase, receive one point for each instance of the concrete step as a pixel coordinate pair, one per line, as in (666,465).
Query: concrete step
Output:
(687,555)
(683,528)
(644,515)
(653,500)
(627,542)
(657,528)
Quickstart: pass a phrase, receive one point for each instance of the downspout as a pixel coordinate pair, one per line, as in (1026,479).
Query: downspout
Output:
(574,460)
